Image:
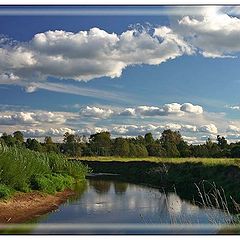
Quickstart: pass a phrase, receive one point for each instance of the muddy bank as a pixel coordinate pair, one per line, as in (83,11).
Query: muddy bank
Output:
(23,207)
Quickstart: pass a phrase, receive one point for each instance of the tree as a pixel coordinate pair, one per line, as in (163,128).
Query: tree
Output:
(222,142)
(8,139)
(18,137)
(148,139)
(33,144)
(169,140)
(71,146)
(100,144)
(156,150)
(235,151)
(49,145)
(121,147)
(184,149)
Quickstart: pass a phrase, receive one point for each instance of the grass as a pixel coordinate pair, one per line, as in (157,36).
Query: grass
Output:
(24,170)
(204,161)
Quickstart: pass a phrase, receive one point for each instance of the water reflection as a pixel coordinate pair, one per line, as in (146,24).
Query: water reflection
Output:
(104,201)
(100,186)
(120,187)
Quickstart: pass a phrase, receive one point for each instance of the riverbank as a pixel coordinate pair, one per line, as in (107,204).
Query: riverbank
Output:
(23,207)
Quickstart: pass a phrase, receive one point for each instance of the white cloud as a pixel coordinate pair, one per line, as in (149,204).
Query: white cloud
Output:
(15,118)
(53,132)
(96,112)
(148,111)
(214,33)
(190,108)
(209,128)
(128,112)
(85,55)
(233,129)
(236,107)
(30,88)
(143,111)
(189,128)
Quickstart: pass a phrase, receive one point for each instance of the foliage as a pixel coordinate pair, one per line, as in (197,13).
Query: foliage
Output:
(5,192)
(19,166)
(51,183)
(170,144)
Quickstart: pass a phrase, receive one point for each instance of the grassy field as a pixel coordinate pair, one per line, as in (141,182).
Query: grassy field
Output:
(204,161)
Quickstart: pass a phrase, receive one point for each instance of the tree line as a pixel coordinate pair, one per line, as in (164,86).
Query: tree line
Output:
(170,144)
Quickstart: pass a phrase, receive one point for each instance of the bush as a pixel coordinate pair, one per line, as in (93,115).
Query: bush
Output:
(5,192)
(22,169)
(51,183)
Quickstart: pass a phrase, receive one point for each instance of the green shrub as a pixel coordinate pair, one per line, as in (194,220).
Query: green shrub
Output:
(22,169)
(51,183)
(5,192)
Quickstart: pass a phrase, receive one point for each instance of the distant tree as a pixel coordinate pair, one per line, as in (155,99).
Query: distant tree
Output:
(18,137)
(9,140)
(199,150)
(137,150)
(71,146)
(34,145)
(235,151)
(222,142)
(148,139)
(49,145)
(213,150)
(100,144)
(155,149)
(184,149)
(169,136)
(169,140)
(121,147)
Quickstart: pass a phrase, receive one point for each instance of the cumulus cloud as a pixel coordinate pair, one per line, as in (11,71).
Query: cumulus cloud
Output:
(134,130)
(143,111)
(96,53)
(236,107)
(190,108)
(53,132)
(96,112)
(233,129)
(209,128)
(214,32)
(85,55)
(15,118)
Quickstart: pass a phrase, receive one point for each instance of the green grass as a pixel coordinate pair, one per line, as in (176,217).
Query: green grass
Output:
(24,170)
(204,161)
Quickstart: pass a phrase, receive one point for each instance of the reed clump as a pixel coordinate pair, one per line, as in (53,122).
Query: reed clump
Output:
(24,170)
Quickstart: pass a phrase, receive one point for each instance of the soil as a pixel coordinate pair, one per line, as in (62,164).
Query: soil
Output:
(23,207)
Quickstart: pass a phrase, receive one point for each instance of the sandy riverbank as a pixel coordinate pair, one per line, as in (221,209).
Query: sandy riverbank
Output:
(23,207)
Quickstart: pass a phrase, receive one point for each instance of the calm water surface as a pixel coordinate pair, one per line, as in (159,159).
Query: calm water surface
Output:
(105,206)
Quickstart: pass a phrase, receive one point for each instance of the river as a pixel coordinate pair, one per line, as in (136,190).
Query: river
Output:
(110,206)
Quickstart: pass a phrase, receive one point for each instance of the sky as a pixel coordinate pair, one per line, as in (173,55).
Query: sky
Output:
(128,70)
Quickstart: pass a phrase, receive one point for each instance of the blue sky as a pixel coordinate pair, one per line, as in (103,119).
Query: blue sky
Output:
(129,70)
